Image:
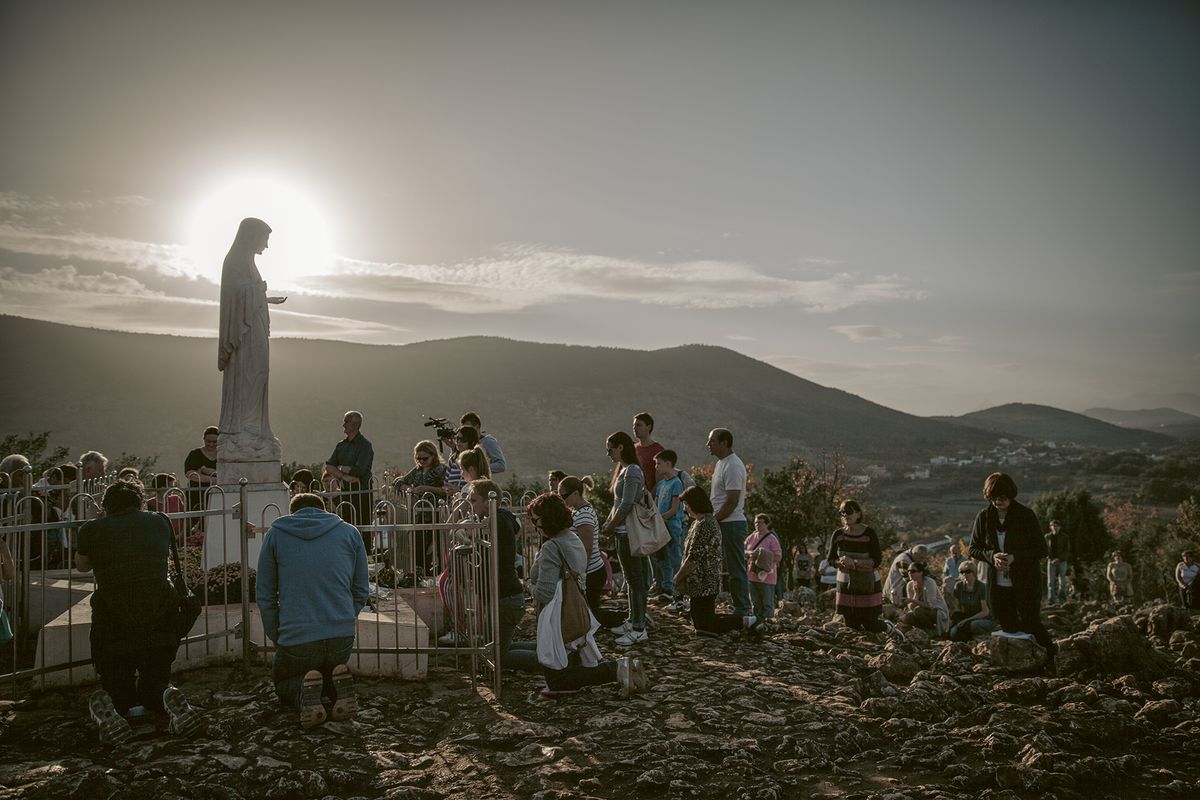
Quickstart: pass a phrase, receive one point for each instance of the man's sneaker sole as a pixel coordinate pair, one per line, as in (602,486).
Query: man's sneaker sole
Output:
(185,720)
(312,710)
(346,705)
(114,729)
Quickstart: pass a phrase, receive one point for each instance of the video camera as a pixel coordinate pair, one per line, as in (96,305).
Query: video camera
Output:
(441,428)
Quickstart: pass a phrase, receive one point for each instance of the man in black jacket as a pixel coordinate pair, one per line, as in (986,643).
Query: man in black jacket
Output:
(1058,547)
(1007,536)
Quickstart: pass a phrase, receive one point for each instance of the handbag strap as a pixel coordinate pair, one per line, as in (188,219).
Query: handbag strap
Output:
(180,580)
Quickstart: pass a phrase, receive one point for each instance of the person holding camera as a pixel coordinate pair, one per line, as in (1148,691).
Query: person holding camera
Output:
(491,446)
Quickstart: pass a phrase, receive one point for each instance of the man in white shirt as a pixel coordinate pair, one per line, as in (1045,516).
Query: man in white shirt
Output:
(728,496)
(1186,572)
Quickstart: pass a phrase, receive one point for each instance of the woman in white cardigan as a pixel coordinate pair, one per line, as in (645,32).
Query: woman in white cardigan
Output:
(926,607)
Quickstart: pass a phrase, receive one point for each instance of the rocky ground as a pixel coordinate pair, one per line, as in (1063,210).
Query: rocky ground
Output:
(814,711)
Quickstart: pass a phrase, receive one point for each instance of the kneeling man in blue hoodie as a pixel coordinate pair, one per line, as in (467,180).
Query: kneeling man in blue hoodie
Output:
(312,582)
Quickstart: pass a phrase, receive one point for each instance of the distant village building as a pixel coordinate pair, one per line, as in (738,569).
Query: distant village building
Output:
(918,473)
(939,461)
(876,471)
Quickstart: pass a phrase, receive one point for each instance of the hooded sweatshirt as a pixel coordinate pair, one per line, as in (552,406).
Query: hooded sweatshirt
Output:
(312,578)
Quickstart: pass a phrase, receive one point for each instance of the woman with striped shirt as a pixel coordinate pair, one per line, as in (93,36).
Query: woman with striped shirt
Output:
(854,548)
(573,491)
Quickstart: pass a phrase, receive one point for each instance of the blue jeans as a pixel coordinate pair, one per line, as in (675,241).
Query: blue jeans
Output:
(733,543)
(1056,580)
(637,581)
(674,556)
(965,631)
(292,661)
(763,596)
(515,655)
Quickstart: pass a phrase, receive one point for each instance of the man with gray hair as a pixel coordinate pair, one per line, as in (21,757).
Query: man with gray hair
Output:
(350,467)
(94,465)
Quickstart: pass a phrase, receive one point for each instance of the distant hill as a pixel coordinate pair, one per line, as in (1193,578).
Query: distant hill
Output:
(1046,423)
(1169,421)
(550,405)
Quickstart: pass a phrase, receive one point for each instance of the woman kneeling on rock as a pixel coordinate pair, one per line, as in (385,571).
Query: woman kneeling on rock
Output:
(1008,536)
(133,634)
(699,575)
(562,557)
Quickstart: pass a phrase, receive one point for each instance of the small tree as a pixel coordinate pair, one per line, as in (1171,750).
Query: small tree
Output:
(1147,544)
(801,498)
(34,448)
(1081,519)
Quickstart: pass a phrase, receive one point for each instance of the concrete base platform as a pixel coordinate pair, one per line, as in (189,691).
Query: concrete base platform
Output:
(66,638)
(222,543)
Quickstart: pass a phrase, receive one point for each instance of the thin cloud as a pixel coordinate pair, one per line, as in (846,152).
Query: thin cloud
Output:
(68,280)
(940,344)
(521,277)
(166,259)
(737,337)
(15,202)
(865,333)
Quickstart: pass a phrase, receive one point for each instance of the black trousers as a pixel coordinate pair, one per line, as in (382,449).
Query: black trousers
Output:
(705,617)
(577,676)
(1018,610)
(133,671)
(595,590)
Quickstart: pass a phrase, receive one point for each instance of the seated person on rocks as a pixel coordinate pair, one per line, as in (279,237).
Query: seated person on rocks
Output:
(1185,580)
(973,617)
(1120,579)
(312,582)
(562,557)
(897,577)
(926,606)
(700,574)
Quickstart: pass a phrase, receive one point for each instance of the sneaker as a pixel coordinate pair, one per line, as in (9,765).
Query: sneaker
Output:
(185,720)
(114,728)
(312,710)
(631,638)
(680,606)
(622,629)
(452,639)
(663,598)
(346,705)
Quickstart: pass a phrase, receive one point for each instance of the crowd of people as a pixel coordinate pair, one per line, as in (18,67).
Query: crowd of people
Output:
(312,573)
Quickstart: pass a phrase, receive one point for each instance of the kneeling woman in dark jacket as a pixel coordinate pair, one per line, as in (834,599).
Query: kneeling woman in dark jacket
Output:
(133,634)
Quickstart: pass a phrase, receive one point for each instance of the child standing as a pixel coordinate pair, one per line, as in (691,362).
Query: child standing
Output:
(763,553)
(667,493)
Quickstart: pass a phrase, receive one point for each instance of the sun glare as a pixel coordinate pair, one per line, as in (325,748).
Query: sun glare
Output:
(299,244)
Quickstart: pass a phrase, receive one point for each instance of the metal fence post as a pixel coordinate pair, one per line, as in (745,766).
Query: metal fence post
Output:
(243,517)
(494,593)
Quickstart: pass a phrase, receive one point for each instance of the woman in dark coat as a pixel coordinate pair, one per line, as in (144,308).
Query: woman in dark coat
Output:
(1008,537)
(133,633)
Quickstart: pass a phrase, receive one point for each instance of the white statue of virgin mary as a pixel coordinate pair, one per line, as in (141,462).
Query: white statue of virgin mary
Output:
(243,351)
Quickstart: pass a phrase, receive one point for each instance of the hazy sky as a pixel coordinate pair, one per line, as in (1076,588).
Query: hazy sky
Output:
(938,206)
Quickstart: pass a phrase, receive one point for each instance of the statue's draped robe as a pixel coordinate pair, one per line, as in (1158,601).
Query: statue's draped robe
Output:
(244,360)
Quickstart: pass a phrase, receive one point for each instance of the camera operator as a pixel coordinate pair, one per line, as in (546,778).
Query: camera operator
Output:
(489,443)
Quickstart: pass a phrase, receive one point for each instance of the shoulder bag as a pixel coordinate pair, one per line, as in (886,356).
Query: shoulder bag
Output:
(576,620)
(646,528)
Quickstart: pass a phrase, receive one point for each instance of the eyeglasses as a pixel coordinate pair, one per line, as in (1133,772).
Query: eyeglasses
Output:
(422,459)
(1000,498)
(535,521)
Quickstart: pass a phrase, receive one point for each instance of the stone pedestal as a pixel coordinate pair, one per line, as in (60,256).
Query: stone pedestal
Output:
(230,472)
(222,543)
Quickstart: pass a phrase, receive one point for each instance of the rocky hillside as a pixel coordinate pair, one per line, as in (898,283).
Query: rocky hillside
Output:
(815,711)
